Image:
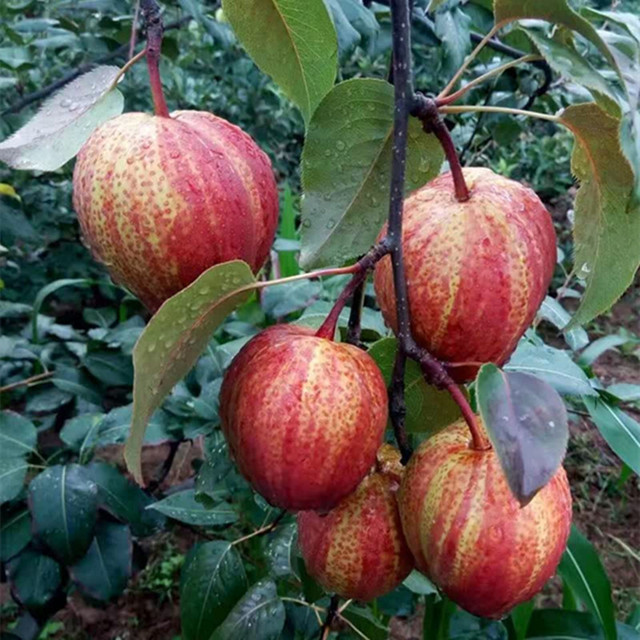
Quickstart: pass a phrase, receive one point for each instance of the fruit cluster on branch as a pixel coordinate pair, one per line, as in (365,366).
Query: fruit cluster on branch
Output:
(162,198)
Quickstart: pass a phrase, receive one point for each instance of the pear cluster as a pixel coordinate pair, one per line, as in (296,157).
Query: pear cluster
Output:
(305,416)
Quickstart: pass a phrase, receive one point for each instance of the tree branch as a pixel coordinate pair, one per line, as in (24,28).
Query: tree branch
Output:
(354,328)
(331,614)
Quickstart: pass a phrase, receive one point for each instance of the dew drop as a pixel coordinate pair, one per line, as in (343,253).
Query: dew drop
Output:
(340,146)
(306,223)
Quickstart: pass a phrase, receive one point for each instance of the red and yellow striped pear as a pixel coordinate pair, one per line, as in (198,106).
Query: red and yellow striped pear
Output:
(476,271)
(358,550)
(468,533)
(303,416)
(160,200)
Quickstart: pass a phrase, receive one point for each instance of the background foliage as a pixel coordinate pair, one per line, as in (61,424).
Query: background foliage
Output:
(64,321)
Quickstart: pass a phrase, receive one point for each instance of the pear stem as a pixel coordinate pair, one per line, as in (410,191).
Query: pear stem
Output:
(150,11)
(478,441)
(360,270)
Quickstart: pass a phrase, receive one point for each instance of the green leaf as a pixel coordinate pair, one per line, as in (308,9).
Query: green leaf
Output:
(124,499)
(103,572)
(554,366)
(76,382)
(281,551)
(35,579)
(607,225)
(48,290)
(552,311)
(296,45)
(428,409)
(259,615)
(464,626)
(105,317)
(625,392)
(527,423)
(520,618)
(420,584)
(216,466)
(174,339)
(619,429)
(111,368)
(17,435)
(599,346)
(366,623)
(287,231)
(437,617)
(581,568)
(555,11)
(346,165)
(348,37)
(12,474)
(565,60)
(559,624)
(64,503)
(212,582)
(452,27)
(184,507)
(64,122)
(86,432)
(15,532)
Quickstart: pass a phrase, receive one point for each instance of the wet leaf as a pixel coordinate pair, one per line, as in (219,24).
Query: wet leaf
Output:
(212,582)
(174,339)
(64,122)
(124,499)
(346,168)
(582,570)
(63,501)
(527,423)
(259,615)
(296,45)
(103,572)
(184,507)
(35,579)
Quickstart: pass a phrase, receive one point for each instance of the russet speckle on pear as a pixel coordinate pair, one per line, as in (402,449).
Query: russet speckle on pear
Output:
(358,549)
(469,534)
(303,416)
(477,271)
(160,200)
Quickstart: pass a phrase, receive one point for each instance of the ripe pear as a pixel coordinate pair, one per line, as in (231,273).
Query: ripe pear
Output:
(469,534)
(358,549)
(162,199)
(477,271)
(303,416)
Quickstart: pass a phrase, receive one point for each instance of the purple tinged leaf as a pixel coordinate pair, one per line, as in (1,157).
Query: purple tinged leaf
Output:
(527,423)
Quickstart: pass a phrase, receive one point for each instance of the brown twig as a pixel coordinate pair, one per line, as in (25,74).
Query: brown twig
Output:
(134,30)
(332,611)
(26,382)
(262,530)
